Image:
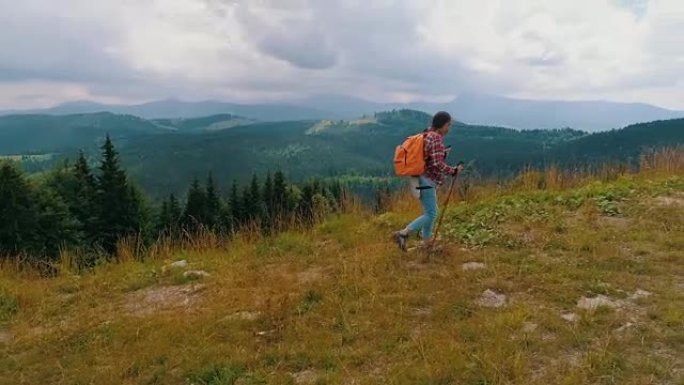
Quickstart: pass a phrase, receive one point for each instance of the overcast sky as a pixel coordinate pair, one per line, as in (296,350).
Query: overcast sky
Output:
(127,51)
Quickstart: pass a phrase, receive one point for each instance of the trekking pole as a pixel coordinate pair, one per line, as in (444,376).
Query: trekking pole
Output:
(446,205)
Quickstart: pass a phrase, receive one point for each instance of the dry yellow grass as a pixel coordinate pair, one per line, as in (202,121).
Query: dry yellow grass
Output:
(339,304)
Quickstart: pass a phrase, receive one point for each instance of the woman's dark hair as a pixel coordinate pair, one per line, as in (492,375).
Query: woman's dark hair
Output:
(440,119)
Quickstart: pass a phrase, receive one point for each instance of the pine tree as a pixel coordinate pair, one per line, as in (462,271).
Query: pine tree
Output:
(83,201)
(225,220)
(306,203)
(195,208)
(213,203)
(269,203)
(164,219)
(175,214)
(17,210)
(337,193)
(236,211)
(280,195)
(246,203)
(116,205)
(56,228)
(254,202)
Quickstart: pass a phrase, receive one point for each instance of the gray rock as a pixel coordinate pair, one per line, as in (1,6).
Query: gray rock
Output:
(180,264)
(570,317)
(473,266)
(491,299)
(244,316)
(305,377)
(624,327)
(596,302)
(639,294)
(196,274)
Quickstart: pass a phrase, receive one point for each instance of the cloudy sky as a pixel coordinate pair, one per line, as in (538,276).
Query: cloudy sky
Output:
(127,51)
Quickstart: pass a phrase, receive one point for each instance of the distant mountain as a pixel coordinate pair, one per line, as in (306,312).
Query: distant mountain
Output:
(583,115)
(625,144)
(164,154)
(344,106)
(207,123)
(22,134)
(171,109)
(165,163)
(470,108)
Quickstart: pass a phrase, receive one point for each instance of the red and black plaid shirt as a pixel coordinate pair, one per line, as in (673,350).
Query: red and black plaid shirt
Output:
(435,154)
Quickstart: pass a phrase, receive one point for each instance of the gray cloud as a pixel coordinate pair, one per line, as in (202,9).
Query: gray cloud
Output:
(379,49)
(304,49)
(39,45)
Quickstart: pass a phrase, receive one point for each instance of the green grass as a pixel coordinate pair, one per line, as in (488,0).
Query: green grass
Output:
(340,305)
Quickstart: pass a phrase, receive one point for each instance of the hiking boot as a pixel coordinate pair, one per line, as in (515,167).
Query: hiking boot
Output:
(401,240)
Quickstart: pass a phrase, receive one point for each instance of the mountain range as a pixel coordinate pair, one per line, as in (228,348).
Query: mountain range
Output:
(469,108)
(164,155)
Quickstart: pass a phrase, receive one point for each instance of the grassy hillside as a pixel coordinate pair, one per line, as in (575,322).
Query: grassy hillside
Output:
(339,304)
(207,123)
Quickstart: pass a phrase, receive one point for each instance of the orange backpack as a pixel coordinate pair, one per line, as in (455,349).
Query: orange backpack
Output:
(409,157)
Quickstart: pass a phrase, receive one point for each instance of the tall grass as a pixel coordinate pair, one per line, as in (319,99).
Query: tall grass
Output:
(666,160)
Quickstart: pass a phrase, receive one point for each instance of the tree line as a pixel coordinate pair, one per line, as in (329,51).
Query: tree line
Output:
(76,207)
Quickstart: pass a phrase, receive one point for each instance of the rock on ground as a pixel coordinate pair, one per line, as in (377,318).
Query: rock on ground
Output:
(639,294)
(491,299)
(244,316)
(151,300)
(196,274)
(473,266)
(180,264)
(595,302)
(305,377)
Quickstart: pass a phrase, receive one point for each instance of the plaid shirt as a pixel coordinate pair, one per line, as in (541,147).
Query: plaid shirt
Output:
(435,153)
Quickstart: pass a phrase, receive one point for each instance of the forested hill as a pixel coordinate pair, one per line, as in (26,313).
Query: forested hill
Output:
(22,134)
(164,155)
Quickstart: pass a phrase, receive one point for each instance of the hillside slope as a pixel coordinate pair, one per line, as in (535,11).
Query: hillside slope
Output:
(21,134)
(473,108)
(312,148)
(582,115)
(534,287)
(164,155)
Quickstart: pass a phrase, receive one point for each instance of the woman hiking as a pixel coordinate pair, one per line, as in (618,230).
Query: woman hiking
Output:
(436,171)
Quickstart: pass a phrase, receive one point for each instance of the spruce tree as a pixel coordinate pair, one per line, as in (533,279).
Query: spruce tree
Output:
(56,228)
(236,211)
(246,205)
(306,203)
(213,203)
(195,208)
(164,219)
(83,201)
(280,195)
(116,205)
(175,214)
(252,200)
(17,210)
(269,203)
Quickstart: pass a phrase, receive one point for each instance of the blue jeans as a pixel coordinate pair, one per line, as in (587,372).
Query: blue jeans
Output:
(428,199)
